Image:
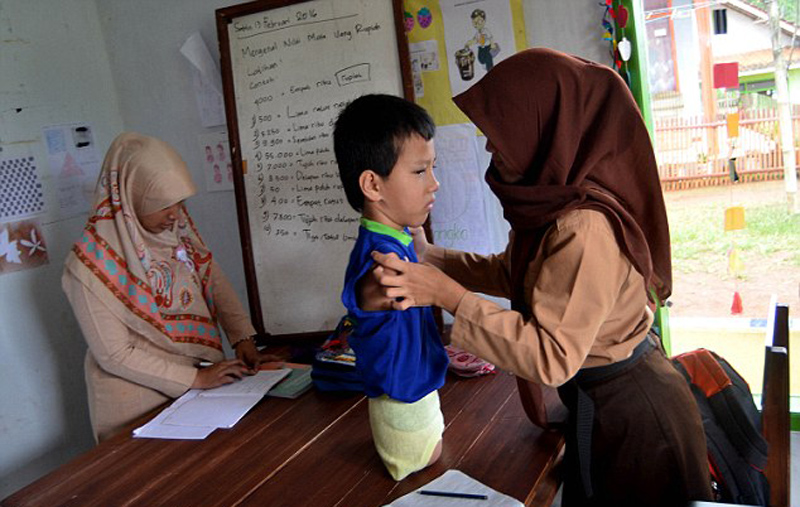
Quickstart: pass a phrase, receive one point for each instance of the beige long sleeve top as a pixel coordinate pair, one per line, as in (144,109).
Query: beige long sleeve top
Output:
(126,354)
(588,304)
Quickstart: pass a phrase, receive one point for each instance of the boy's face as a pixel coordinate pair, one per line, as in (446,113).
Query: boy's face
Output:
(406,195)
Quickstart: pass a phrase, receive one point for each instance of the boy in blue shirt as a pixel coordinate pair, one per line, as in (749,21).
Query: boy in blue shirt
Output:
(384,149)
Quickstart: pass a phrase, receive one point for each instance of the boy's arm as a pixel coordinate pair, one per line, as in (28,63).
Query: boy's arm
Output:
(369,292)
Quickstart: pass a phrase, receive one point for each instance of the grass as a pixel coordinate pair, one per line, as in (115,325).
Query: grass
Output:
(699,240)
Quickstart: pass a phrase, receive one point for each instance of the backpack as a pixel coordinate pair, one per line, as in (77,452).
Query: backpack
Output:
(737,451)
(334,365)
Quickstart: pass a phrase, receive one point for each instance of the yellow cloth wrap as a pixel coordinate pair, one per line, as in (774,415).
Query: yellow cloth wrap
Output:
(406,434)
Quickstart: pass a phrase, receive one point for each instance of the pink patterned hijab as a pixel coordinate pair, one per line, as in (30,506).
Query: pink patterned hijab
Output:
(570,135)
(156,284)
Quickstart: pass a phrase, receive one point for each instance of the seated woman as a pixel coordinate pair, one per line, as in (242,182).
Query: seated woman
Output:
(146,291)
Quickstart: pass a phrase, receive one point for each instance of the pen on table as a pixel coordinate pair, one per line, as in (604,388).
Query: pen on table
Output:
(452,494)
(270,365)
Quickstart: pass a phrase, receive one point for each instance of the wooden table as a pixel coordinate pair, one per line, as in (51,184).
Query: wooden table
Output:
(316,451)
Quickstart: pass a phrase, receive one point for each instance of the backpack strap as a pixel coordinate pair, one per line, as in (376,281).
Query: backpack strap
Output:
(704,371)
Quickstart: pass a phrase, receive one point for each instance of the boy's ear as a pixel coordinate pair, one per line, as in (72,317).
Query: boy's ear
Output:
(370,183)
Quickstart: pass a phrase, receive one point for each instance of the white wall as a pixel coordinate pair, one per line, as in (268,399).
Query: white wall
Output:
(571,26)
(54,70)
(115,64)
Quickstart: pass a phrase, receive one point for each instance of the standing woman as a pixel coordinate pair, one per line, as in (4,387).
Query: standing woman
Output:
(146,291)
(575,172)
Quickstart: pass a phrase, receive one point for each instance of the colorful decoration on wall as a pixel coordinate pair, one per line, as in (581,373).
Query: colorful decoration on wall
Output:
(408,20)
(22,246)
(424,17)
(614,21)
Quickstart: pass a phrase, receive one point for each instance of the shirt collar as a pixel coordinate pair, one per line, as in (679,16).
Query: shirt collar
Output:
(373,226)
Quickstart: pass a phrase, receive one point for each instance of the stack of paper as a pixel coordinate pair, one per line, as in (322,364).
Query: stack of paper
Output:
(199,412)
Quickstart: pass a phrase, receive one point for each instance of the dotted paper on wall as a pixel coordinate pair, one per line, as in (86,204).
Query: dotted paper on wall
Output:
(21,191)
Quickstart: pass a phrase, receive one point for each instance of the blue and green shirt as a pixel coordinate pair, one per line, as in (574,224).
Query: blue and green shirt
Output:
(398,353)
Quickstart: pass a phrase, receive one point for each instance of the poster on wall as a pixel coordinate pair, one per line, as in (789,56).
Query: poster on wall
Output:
(22,246)
(206,80)
(478,35)
(217,165)
(459,218)
(22,194)
(74,165)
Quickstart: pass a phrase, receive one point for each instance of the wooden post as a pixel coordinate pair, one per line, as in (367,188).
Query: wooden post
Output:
(775,406)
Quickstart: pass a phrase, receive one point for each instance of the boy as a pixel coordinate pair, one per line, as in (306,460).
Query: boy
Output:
(384,149)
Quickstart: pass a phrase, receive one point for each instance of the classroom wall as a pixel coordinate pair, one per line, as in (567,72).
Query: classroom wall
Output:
(116,65)
(53,70)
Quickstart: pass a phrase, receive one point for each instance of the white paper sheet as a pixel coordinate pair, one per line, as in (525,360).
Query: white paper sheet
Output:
(456,481)
(207,81)
(255,385)
(156,428)
(196,414)
(74,167)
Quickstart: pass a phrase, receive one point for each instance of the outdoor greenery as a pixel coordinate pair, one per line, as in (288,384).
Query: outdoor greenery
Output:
(700,243)
(788,8)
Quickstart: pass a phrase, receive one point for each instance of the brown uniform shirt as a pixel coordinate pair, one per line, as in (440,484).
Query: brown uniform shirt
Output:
(588,304)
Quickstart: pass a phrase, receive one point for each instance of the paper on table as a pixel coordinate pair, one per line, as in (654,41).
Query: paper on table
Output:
(214,411)
(156,428)
(199,412)
(456,481)
(256,385)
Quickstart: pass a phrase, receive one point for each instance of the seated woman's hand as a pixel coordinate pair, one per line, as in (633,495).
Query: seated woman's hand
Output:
(247,352)
(221,373)
(406,284)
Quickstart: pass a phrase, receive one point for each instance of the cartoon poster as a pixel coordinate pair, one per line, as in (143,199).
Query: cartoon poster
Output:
(478,35)
(217,164)
(22,246)
(74,166)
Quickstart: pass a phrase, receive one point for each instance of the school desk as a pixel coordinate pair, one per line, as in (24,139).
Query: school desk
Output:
(316,451)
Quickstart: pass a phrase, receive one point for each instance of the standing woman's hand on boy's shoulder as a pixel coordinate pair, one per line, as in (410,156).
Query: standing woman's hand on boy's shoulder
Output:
(409,284)
(420,242)
(369,293)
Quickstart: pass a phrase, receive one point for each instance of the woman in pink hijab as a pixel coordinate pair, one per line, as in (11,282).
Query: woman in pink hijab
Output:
(574,169)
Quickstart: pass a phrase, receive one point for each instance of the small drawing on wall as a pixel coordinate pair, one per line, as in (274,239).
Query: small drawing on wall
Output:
(22,246)
(22,193)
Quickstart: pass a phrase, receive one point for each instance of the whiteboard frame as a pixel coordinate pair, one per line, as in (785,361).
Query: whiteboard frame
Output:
(224,17)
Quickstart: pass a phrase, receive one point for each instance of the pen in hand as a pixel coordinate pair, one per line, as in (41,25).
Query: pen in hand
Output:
(453,494)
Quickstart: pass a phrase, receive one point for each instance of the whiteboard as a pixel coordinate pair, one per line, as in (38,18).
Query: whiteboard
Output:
(287,72)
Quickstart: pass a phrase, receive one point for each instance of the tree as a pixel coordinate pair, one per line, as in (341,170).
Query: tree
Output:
(784,106)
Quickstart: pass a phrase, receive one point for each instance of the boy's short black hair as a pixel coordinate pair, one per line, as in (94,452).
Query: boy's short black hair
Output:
(369,134)
(478,13)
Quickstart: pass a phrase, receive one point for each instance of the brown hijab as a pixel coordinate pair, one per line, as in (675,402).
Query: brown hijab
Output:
(570,136)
